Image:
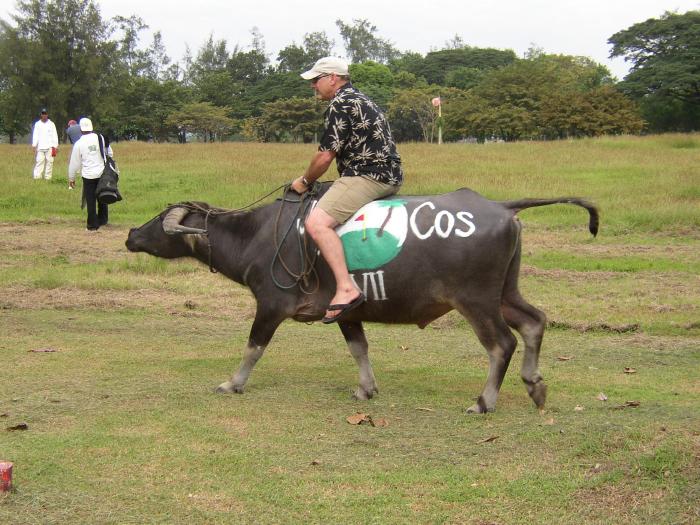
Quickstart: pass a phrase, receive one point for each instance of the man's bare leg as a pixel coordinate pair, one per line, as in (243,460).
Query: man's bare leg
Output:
(321,227)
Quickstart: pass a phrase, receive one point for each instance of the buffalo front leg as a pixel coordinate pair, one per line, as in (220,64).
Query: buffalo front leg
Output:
(357,344)
(261,333)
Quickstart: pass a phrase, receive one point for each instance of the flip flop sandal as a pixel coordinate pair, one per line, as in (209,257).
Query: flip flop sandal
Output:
(344,308)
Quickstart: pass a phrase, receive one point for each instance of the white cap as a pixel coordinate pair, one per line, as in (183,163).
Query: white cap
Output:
(326,66)
(85,124)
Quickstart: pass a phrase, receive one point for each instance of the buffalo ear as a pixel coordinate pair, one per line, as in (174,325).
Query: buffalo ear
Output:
(172,226)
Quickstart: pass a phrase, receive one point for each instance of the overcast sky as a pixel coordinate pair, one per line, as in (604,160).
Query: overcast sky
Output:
(572,27)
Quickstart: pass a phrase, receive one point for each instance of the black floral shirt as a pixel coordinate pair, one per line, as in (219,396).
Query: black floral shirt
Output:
(358,132)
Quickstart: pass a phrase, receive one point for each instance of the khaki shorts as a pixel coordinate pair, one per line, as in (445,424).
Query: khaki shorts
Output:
(349,194)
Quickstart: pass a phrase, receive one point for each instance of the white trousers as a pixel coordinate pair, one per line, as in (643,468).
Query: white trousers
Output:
(43,159)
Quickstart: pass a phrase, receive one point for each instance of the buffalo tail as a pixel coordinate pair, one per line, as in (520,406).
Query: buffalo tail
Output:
(522,204)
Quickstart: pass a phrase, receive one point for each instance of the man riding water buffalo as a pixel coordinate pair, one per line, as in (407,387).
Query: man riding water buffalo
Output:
(358,137)
(413,258)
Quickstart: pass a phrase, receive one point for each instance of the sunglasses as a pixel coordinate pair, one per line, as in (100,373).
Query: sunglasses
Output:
(316,79)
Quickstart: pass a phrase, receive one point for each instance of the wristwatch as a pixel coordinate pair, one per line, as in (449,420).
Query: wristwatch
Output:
(305,181)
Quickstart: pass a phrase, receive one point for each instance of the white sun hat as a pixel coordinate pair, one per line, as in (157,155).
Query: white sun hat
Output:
(85,124)
(327,66)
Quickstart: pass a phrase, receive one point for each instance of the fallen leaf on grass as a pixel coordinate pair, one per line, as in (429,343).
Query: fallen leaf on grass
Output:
(565,357)
(425,409)
(602,397)
(629,370)
(402,347)
(358,419)
(44,350)
(578,408)
(315,462)
(596,468)
(488,439)
(21,426)
(628,404)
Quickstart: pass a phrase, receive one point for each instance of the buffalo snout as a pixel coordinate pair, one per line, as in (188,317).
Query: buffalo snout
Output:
(131,243)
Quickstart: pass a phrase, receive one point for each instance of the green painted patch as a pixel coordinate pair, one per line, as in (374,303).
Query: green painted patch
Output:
(367,250)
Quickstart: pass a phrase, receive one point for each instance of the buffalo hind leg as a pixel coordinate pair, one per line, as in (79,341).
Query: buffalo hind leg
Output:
(357,344)
(261,333)
(499,341)
(530,324)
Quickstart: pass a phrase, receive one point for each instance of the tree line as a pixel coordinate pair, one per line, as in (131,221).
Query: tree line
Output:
(62,55)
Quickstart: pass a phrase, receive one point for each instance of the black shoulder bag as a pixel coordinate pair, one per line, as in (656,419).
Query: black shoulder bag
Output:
(107,191)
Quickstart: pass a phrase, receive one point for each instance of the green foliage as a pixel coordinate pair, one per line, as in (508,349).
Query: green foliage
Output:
(129,90)
(247,67)
(143,110)
(275,86)
(295,59)
(373,79)
(362,43)
(56,56)
(412,114)
(437,64)
(292,59)
(464,77)
(293,118)
(549,96)
(664,75)
(317,45)
(210,121)
(216,87)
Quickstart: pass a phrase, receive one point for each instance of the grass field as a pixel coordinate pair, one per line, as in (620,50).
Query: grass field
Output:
(124,427)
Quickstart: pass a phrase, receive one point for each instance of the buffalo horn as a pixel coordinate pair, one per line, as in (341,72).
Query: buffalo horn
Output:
(171,222)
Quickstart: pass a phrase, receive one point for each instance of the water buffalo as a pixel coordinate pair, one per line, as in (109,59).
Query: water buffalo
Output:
(414,257)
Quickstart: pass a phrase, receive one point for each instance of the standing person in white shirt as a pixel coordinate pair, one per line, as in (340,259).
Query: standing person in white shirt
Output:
(45,144)
(86,159)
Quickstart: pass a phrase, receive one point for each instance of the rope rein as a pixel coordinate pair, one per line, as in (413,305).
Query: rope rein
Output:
(307,278)
(307,262)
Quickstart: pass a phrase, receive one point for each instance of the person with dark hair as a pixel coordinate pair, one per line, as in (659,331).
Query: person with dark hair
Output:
(358,137)
(45,145)
(86,159)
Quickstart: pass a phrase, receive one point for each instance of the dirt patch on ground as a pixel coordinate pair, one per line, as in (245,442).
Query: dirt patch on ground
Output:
(233,303)
(60,239)
(212,295)
(574,243)
(48,240)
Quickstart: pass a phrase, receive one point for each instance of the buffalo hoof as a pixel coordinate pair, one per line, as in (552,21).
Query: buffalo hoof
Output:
(229,388)
(480,408)
(363,395)
(538,393)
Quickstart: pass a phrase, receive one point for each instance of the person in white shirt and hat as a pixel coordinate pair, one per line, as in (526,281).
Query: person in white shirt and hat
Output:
(86,159)
(45,145)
